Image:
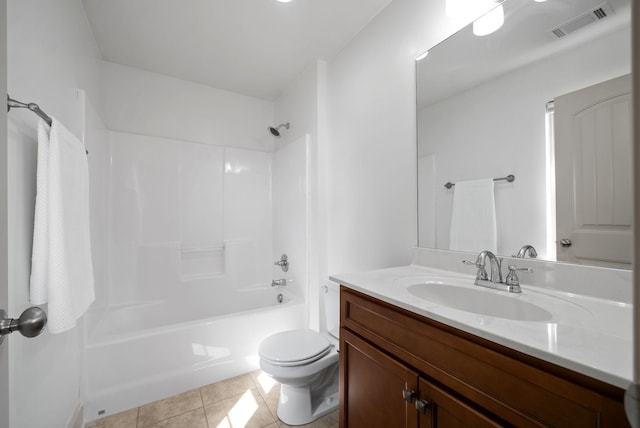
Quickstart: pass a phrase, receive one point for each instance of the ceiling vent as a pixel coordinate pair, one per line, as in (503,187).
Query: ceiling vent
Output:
(582,20)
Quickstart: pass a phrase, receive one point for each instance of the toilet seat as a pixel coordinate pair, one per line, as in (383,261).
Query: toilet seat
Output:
(294,348)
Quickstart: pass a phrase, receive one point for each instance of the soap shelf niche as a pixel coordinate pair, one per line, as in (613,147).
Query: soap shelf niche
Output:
(202,262)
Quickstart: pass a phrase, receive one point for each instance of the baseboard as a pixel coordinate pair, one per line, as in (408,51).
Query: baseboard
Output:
(77,418)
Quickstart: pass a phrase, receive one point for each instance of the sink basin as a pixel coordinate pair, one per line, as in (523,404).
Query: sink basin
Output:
(483,302)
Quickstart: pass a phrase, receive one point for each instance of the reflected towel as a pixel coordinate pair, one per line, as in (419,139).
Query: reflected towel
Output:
(69,268)
(473,218)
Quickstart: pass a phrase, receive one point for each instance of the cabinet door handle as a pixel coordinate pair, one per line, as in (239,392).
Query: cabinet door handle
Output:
(422,406)
(408,395)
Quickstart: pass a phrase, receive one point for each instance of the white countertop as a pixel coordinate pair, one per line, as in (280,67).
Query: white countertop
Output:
(589,335)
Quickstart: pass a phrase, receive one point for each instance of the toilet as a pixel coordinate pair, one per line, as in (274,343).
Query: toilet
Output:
(305,363)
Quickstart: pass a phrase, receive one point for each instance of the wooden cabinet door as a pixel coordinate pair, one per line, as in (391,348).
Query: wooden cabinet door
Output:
(371,387)
(446,411)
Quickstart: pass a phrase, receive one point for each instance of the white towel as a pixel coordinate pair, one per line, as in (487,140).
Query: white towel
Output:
(69,268)
(40,250)
(473,218)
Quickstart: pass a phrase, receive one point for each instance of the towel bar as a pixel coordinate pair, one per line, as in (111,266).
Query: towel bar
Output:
(509,178)
(11,103)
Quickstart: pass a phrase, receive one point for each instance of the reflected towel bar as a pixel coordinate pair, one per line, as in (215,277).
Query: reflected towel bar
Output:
(510,178)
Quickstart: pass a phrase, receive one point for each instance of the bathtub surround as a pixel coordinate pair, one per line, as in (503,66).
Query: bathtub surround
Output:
(303,104)
(192,228)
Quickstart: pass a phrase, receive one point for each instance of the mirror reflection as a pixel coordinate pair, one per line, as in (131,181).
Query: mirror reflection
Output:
(545,99)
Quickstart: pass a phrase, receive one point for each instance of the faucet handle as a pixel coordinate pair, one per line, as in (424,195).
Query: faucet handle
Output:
(512,277)
(482,272)
(283,263)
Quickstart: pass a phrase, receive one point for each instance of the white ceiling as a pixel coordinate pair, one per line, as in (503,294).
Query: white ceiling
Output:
(252,47)
(463,60)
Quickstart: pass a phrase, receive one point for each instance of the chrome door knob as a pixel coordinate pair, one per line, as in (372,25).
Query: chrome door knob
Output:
(29,324)
(565,243)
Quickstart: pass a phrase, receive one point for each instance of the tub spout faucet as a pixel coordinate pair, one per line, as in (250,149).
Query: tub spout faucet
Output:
(279,282)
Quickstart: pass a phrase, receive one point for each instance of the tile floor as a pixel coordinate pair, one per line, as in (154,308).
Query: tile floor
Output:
(247,401)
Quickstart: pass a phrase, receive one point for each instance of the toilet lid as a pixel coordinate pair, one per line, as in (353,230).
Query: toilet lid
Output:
(294,347)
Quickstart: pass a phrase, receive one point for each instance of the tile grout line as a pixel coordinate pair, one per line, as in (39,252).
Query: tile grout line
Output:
(206,418)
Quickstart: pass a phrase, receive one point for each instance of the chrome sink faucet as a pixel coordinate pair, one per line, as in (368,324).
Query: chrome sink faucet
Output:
(522,253)
(496,266)
(494,281)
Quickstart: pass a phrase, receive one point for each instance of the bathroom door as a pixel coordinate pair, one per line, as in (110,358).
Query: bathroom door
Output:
(4,276)
(594,203)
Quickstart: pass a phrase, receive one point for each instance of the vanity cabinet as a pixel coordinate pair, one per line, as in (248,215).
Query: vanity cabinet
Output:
(400,369)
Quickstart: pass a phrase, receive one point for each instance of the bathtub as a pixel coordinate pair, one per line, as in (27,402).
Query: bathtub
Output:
(144,352)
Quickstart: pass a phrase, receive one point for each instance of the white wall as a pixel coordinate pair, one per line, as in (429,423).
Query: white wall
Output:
(51,51)
(371,159)
(141,102)
(504,135)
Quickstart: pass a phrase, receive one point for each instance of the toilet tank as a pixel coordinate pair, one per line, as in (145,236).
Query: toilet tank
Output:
(331,292)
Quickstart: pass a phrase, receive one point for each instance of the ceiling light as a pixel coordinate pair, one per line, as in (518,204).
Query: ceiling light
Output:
(284,1)
(490,22)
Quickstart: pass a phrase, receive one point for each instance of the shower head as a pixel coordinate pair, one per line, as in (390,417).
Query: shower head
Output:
(275,131)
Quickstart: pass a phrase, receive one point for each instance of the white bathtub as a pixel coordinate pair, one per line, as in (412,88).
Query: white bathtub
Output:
(145,352)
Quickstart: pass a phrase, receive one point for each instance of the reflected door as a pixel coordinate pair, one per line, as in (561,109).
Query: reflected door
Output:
(593,174)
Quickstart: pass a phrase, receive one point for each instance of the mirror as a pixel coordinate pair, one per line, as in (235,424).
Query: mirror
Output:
(483,112)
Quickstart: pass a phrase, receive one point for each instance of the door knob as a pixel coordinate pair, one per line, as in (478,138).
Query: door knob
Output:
(29,324)
(565,243)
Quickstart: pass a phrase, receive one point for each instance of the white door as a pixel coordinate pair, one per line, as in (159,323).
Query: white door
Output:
(594,201)
(4,275)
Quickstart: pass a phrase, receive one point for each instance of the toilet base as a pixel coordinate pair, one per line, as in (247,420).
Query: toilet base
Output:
(301,405)
(295,410)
